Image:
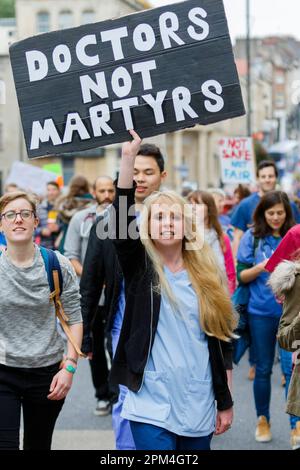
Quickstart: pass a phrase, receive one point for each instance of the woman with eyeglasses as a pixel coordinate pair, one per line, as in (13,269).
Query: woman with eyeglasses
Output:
(271,221)
(32,375)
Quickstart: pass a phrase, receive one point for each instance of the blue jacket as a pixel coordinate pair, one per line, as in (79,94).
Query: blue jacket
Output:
(262,300)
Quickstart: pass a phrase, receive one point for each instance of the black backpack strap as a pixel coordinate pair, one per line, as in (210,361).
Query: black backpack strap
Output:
(255,244)
(240,267)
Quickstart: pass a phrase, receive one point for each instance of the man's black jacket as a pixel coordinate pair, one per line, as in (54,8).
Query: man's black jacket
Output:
(142,314)
(100,268)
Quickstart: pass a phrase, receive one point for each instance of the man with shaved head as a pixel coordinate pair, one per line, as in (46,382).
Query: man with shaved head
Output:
(104,192)
(75,249)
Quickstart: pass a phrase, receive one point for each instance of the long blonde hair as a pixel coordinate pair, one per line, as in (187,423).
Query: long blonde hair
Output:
(216,312)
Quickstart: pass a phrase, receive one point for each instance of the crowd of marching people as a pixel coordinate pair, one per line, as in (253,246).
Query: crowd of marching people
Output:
(162,293)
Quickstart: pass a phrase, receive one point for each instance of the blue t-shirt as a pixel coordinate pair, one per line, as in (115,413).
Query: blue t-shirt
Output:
(242,215)
(177,392)
(262,300)
(119,315)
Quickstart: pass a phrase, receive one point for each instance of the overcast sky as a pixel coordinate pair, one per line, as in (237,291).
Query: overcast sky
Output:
(267,16)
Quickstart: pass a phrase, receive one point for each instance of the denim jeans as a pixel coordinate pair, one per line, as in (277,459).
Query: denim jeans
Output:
(252,360)
(150,437)
(286,367)
(263,334)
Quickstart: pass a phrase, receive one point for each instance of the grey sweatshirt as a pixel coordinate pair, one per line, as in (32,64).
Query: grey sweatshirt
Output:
(78,233)
(77,237)
(28,328)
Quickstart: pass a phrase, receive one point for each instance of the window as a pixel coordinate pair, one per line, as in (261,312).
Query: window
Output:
(279,78)
(65,19)
(280,100)
(88,16)
(1,137)
(43,22)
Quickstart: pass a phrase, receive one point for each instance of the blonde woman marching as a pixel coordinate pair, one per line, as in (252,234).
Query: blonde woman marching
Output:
(32,375)
(174,352)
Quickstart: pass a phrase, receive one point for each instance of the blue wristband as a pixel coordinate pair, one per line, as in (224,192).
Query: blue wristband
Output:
(70,369)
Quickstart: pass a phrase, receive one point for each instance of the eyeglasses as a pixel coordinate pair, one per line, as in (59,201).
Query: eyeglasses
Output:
(10,216)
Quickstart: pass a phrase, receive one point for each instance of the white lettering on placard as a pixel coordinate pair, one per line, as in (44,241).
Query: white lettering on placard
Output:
(219,102)
(62,58)
(181,101)
(44,133)
(127,77)
(193,16)
(125,105)
(169,32)
(100,116)
(144,68)
(81,46)
(144,37)
(115,36)
(74,124)
(156,105)
(37,65)
(121,82)
(99,87)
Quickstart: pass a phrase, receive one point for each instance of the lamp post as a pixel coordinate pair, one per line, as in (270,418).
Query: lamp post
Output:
(248,54)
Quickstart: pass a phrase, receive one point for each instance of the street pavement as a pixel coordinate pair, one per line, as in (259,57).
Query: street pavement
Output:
(78,429)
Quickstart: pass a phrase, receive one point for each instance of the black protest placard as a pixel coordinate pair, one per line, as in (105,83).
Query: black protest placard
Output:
(156,71)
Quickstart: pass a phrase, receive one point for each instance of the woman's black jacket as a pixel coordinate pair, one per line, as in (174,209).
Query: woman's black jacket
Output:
(142,311)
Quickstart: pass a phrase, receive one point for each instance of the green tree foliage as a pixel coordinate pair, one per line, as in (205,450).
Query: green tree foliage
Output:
(7,8)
